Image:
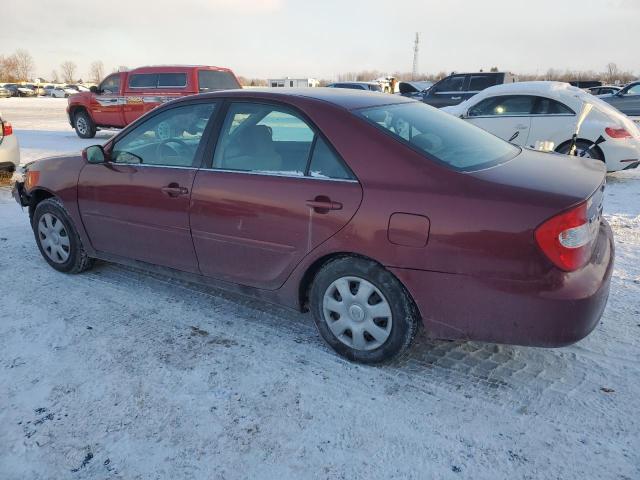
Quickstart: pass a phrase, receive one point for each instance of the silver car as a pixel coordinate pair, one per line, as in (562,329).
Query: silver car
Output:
(626,100)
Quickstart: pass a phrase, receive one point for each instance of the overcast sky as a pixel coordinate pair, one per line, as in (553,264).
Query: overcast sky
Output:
(320,38)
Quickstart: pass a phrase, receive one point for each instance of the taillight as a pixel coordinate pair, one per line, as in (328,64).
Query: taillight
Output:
(7,129)
(566,239)
(617,132)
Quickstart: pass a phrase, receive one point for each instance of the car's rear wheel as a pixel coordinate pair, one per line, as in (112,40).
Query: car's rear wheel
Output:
(362,311)
(58,239)
(85,128)
(583,149)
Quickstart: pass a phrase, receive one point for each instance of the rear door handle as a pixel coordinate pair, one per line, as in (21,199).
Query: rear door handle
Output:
(174,190)
(456,98)
(323,204)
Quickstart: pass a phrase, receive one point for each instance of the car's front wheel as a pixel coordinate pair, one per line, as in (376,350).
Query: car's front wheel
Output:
(85,128)
(58,239)
(362,311)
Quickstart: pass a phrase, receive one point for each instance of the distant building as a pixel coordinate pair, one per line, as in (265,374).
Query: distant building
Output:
(293,82)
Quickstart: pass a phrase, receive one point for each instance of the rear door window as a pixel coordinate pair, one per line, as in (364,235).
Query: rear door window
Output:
(264,139)
(480,82)
(143,80)
(270,139)
(172,80)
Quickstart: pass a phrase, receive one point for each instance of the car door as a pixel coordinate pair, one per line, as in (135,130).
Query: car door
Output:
(107,105)
(627,100)
(136,205)
(506,116)
(449,91)
(552,121)
(274,191)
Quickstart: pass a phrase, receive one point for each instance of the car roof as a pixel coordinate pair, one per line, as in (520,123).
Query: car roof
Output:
(348,99)
(355,83)
(174,68)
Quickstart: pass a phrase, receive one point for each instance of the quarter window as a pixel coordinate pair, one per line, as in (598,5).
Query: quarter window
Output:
(507,105)
(210,80)
(547,106)
(326,164)
(170,138)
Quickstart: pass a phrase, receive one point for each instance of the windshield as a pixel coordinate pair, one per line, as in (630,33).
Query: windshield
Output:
(442,137)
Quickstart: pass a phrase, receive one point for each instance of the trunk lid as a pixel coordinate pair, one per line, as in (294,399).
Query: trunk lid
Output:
(547,179)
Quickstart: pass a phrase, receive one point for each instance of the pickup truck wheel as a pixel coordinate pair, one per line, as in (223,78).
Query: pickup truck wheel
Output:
(58,239)
(85,128)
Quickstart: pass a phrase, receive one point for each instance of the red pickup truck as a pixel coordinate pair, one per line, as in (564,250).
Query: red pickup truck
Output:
(122,97)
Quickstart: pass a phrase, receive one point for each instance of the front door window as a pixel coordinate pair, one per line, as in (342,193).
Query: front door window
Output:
(171,138)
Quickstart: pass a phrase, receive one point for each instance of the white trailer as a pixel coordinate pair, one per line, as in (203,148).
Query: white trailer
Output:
(293,82)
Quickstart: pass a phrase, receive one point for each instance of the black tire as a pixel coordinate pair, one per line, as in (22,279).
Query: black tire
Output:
(85,128)
(78,260)
(404,314)
(594,153)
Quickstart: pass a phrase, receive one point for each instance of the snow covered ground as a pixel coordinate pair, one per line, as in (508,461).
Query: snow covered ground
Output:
(119,374)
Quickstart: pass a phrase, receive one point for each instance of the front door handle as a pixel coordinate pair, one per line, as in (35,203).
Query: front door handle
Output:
(522,126)
(456,98)
(174,190)
(322,204)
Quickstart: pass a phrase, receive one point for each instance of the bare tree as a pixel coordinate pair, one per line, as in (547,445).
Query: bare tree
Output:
(96,72)
(24,64)
(612,73)
(9,68)
(54,76)
(68,69)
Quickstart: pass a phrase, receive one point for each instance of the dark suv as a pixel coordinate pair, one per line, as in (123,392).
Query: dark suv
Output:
(458,87)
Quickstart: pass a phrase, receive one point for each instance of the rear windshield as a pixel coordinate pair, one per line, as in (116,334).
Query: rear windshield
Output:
(442,137)
(209,80)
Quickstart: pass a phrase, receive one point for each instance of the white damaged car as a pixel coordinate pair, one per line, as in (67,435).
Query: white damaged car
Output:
(9,150)
(547,115)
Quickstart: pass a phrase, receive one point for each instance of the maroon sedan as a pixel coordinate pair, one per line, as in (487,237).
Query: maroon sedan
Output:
(375,212)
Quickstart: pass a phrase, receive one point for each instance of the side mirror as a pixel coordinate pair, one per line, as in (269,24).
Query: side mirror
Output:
(94,154)
(94,89)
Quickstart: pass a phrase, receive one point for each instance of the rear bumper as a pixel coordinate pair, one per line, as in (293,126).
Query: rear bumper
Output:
(621,154)
(556,310)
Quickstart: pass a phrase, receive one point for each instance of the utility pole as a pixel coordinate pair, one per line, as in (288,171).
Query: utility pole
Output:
(416,49)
